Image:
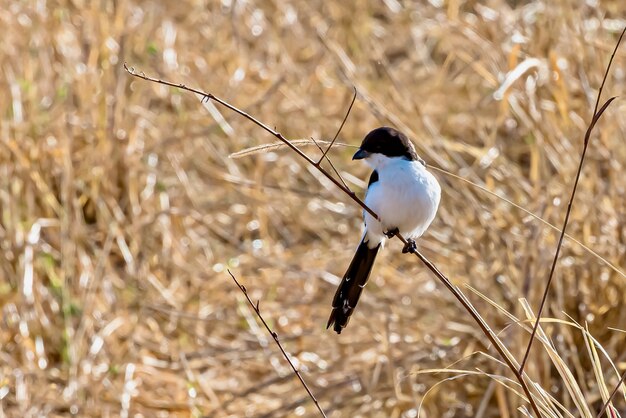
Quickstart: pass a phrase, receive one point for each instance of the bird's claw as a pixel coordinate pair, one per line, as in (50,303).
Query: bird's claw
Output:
(391,233)
(409,247)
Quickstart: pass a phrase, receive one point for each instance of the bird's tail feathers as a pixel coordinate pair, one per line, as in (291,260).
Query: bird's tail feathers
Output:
(351,286)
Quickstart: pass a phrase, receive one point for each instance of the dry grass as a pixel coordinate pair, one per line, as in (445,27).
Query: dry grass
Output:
(120,209)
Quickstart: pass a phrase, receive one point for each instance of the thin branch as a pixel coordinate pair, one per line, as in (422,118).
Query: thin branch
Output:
(608,401)
(209,96)
(453,289)
(255,307)
(319,147)
(596,116)
(345,118)
(479,320)
(343,122)
(329,161)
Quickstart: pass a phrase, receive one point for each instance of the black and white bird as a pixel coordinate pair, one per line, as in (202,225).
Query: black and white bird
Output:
(403,194)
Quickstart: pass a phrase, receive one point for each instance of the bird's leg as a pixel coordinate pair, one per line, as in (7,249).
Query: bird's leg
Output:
(409,247)
(391,233)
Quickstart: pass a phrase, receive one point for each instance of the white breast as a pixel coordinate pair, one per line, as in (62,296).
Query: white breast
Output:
(406,197)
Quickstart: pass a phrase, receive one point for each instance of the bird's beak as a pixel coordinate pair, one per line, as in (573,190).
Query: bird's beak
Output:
(360,154)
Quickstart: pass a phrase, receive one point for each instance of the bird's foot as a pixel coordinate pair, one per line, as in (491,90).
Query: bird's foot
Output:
(409,247)
(391,233)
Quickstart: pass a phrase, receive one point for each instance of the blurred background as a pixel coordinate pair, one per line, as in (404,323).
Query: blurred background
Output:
(121,210)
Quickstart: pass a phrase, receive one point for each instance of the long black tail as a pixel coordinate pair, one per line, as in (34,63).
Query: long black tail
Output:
(349,291)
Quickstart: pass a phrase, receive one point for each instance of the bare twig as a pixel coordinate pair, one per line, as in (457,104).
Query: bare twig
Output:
(480,321)
(329,161)
(343,122)
(596,116)
(209,96)
(325,153)
(340,127)
(255,307)
(458,294)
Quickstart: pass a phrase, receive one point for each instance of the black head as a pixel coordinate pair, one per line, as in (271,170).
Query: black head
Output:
(386,141)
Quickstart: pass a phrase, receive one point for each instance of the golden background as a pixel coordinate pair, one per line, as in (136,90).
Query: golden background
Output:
(121,209)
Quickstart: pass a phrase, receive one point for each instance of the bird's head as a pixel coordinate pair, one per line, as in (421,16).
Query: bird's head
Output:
(383,144)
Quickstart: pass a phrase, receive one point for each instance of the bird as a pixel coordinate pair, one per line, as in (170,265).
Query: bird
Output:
(404,195)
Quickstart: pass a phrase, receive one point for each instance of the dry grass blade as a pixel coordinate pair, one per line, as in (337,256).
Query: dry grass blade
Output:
(509,384)
(561,366)
(596,366)
(255,307)
(277,145)
(596,116)
(606,404)
(549,406)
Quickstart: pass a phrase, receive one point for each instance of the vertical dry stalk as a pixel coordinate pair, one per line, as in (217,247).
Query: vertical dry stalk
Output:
(493,339)
(256,309)
(596,116)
